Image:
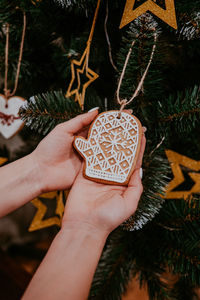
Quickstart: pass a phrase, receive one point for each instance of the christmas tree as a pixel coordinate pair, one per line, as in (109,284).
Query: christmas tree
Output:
(159,245)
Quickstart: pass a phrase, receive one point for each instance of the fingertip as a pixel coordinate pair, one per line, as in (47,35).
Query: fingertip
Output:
(130,111)
(91,114)
(94,109)
(141,173)
(143,143)
(144,129)
(80,122)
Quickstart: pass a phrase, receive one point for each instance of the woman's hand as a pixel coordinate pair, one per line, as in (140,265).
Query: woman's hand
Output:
(58,163)
(53,165)
(101,207)
(92,211)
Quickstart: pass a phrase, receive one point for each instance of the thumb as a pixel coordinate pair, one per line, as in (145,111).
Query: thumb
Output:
(81,145)
(78,123)
(133,192)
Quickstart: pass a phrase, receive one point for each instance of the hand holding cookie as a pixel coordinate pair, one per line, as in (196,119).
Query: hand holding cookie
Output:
(103,207)
(58,162)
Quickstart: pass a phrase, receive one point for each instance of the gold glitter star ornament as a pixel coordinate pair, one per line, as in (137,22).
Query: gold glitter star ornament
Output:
(81,67)
(178,162)
(78,68)
(168,15)
(39,221)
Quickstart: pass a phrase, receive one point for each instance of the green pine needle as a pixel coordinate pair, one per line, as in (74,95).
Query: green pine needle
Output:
(43,112)
(180,112)
(154,185)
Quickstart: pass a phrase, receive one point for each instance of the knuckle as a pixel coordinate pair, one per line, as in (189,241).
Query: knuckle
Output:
(59,126)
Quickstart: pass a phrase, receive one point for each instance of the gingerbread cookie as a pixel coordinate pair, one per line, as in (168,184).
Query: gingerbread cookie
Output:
(112,147)
(10,122)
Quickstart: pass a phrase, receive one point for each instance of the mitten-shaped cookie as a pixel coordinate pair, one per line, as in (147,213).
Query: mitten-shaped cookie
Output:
(112,147)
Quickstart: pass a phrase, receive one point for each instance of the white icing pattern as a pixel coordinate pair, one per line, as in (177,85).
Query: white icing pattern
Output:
(111,147)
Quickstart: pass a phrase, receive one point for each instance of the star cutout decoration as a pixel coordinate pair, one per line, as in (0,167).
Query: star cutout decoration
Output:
(39,221)
(168,15)
(177,161)
(78,68)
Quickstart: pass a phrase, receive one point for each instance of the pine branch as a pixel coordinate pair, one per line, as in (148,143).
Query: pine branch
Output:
(80,4)
(180,213)
(189,26)
(142,30)
(154,184)
(183,6)
(184,290)
(112,269)
(43,112)
(158,289)
(126,256)
(180,112)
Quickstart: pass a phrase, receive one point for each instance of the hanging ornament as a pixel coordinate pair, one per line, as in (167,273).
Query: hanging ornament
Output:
(181,164)
(168,15)
(81,67)
(112,147)
(39,221)
(111,150)
(10,122)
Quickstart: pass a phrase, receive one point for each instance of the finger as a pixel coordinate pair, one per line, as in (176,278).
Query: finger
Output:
(141,153)
(84,132)
(133,192)
(130,111)
(78,123)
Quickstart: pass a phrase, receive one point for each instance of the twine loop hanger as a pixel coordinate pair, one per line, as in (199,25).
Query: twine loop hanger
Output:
(7,92)
(125,102)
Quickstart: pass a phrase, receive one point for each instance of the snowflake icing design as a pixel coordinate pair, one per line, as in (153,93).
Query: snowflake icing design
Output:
(113,142)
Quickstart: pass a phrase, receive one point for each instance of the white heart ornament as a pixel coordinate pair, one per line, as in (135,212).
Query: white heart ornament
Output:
(10,122)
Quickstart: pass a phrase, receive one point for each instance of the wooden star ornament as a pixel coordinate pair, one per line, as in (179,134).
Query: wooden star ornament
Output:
(39,221)
(77,68)
(177,161)
(168,15)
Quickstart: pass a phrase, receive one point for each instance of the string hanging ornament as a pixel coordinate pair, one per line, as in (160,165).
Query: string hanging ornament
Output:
(10,122)
(81,67)
(110,153)
(126,102)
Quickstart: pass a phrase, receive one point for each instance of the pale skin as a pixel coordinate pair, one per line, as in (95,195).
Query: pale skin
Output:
(92,210)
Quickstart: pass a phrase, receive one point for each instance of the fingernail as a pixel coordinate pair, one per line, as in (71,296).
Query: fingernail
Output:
(141,173)
(130,110)
(144,129)
(95,108)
